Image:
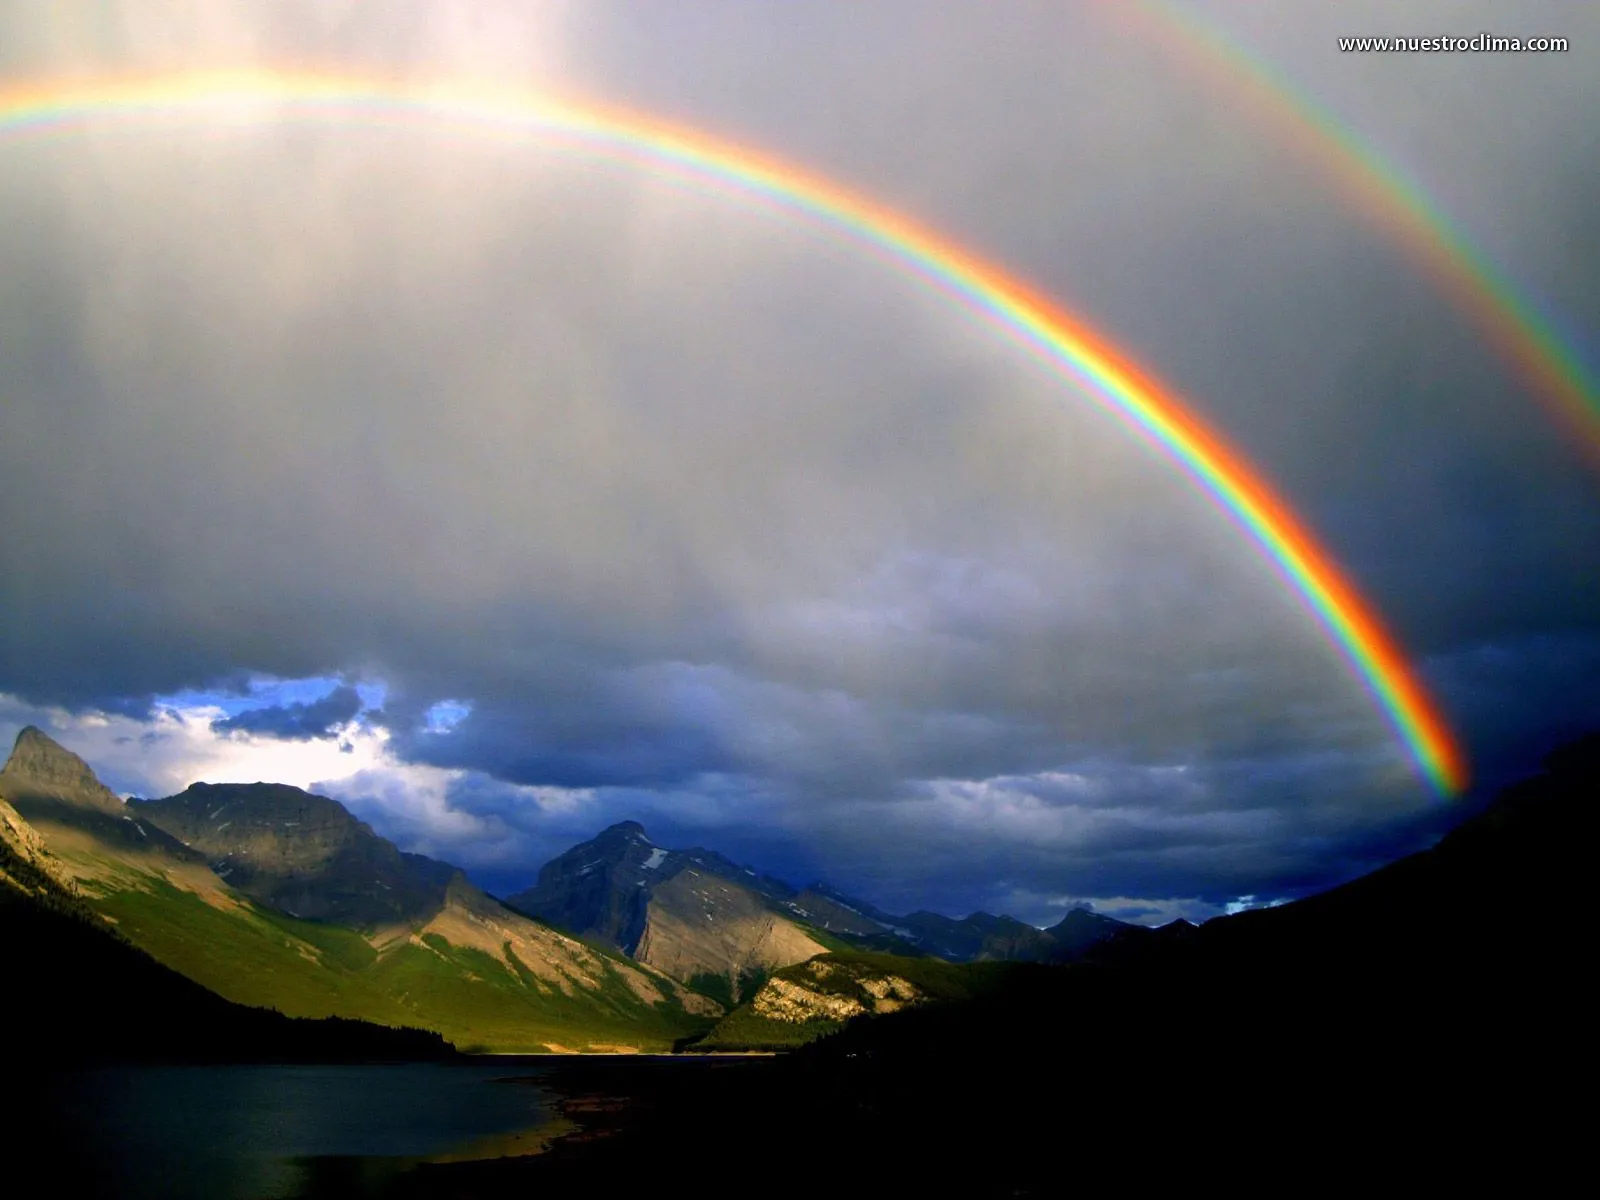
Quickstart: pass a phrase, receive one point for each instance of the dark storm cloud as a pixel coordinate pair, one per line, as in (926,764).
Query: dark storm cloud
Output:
(718,522)
(298,722)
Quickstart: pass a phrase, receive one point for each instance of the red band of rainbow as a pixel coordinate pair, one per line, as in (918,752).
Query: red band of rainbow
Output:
(1064,342)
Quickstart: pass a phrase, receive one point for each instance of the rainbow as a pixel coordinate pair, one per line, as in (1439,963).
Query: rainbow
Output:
(1553,369)
(1066,344)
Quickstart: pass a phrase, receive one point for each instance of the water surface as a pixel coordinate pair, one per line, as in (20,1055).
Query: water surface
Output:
(259,1132)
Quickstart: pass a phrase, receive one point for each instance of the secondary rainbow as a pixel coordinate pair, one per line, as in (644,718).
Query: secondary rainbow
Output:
(1552,368)
(1063,341)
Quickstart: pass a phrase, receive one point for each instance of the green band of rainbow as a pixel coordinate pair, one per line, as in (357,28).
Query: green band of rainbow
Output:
(1064,342)
(1553,370)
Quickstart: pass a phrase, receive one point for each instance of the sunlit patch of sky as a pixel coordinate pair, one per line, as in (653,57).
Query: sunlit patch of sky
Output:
(446,715)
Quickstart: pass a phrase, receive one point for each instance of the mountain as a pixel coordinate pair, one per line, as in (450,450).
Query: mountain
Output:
(399,939)
(724,927)
(42,774)
(979,937)
(59,795)
(1083,933)
(300,853)
(691,914)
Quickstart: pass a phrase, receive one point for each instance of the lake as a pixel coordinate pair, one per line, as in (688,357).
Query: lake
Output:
(254,1132)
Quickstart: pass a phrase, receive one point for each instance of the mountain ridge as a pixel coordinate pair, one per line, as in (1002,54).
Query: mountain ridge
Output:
(301,852)
(692,914)
(446,956)
(725,927)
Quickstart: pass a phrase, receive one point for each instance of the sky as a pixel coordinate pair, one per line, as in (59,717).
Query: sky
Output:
(503,492)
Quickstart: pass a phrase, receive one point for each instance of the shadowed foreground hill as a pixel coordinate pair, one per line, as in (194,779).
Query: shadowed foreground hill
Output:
(1426,1023)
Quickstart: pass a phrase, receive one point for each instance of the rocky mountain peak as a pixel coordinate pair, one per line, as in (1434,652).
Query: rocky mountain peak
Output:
(302,853)
(42,768)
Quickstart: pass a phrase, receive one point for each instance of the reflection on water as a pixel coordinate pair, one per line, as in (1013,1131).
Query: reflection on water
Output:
(246,1132)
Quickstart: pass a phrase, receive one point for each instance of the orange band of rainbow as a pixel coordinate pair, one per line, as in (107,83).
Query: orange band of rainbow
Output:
(1065,343)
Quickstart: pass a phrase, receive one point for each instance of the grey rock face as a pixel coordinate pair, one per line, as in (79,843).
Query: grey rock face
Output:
(688,913)
(41,769)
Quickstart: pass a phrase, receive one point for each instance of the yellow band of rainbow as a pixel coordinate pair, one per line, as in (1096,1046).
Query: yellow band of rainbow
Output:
(1067,344)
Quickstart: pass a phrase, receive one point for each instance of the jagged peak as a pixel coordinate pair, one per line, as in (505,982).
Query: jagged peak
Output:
(43,765)
(38,754)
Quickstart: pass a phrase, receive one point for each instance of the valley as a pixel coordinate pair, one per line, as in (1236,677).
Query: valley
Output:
(1378,984)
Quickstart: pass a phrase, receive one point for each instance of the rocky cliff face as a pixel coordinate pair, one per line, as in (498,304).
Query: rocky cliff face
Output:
(822,990)
(301,853)
(31,855)
(698,923)
(23,839)
(598,889)
(690,914)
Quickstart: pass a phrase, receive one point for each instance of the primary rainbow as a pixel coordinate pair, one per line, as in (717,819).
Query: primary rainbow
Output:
(1064,342)
(1553,369)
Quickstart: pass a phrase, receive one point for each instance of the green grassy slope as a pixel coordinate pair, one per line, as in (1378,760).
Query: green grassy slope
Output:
(250,955)
(486,1007)
(77,990)
(257,956)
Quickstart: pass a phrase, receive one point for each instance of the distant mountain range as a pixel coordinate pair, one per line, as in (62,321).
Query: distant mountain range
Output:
(273,897)
(724,927)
